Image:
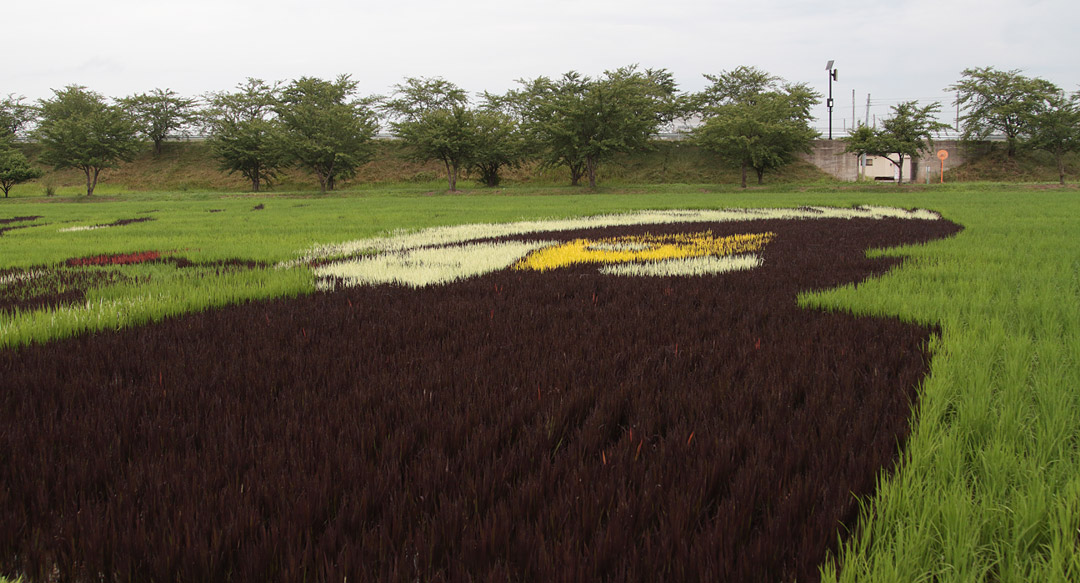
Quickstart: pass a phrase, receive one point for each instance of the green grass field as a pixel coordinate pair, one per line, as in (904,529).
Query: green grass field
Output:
(989,487)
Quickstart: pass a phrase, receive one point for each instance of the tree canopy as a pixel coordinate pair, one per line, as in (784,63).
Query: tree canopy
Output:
(14,168)
(419,95)
(1056,128)
(436,121)
(243,132)
(80,130)
(1000,101)
(755,120)
(738,85)
(432,117)
(325,128)
(579,122)
(161,112)
(15,116)
(499,144)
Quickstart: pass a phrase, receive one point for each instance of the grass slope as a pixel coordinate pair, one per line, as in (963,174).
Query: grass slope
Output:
(189,167)
(988,489)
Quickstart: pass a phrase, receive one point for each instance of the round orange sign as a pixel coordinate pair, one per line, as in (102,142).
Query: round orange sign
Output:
(942,154)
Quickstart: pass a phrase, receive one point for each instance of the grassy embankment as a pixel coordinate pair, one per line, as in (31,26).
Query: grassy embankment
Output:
(988,489)
(189,167)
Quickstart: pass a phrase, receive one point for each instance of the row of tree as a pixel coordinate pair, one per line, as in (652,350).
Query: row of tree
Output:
(1028,112)
(750,118)
(753,119)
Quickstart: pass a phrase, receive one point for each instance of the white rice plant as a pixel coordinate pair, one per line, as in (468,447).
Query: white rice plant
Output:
(81,228)
(706,265)
(456,234)
(20,277)
(426,266)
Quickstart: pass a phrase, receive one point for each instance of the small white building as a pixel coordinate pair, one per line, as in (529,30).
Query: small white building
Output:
(880,168)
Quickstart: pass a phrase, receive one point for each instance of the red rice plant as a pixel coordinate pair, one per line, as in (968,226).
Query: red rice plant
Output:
(114,259)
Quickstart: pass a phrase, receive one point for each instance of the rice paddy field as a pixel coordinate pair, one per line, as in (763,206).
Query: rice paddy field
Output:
(672,383)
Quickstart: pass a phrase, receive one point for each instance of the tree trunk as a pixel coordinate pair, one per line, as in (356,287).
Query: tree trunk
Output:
(451,178)
(91,179)
(327,177)
(590,164)
(1061,166)
(760,175)
(322,180)
(577,170)
(900,171)
(490,174)
(157,146)
(744,174)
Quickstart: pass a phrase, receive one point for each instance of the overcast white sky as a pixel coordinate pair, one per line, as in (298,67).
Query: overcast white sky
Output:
(898,50)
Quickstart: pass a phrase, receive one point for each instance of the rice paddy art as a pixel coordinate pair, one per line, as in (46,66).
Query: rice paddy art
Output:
(116,223)
(493,421)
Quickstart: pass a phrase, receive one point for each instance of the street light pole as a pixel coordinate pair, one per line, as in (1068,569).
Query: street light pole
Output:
(832,77)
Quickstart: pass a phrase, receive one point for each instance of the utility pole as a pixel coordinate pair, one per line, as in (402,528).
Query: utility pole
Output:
(832,77)
(957,112)
(862,158)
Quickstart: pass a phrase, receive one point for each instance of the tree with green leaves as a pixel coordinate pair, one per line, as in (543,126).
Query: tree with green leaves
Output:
(244,135)
(905,134)
(754,120)
(580,122)
(499,144)
(432,118)
(79,129)
(14,168)
(859,139)
(15,116)
(325,128)
(447,135)
(161,112)
(738,85)
(999,101)
(419,95)
(1055,128)
(553,139)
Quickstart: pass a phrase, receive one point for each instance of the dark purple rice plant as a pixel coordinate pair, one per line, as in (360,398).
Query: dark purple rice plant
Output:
(564,426)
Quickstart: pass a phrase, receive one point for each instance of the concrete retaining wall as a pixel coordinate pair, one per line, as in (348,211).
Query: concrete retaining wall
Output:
(829,155)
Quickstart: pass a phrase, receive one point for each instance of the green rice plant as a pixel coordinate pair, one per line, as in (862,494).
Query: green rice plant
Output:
(158,292)
(991,467)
